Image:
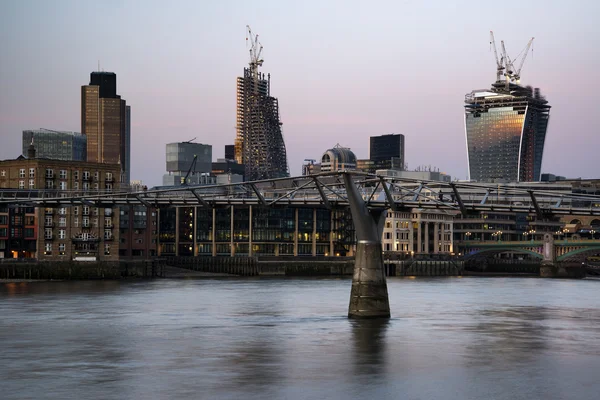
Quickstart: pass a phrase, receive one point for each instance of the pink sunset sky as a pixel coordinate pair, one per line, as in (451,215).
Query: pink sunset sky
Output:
(342,71)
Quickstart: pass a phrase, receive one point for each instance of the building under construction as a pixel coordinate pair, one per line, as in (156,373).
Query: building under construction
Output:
(259,143)
(506,125)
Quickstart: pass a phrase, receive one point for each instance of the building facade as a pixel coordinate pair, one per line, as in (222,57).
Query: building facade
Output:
(505,129)
(138,232)
(338,158)
(419,231)
(105,120)
(387,151)
(57,145)
(184,157)
(248,230)
(63,233)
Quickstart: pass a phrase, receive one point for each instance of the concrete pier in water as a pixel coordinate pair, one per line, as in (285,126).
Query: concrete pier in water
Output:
(369,295)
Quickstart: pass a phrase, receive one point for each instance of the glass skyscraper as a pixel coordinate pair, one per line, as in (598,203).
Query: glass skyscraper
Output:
(56,145)
(505,129)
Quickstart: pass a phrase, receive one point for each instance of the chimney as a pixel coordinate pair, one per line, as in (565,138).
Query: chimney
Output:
(31,149)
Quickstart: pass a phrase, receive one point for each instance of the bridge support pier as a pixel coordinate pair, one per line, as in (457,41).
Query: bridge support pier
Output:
(369,295)
(551,268)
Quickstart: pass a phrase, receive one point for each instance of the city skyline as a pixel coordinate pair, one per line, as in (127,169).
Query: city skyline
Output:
(343,72)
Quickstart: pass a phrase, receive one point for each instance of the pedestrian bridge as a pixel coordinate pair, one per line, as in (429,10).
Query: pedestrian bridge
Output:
(331,190)
(567,250)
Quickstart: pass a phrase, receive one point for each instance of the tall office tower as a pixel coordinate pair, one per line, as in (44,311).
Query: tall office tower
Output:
(191,160)
(506,126)
(387,151)
(230,152)
(104,121)
(56,145)
(259,142)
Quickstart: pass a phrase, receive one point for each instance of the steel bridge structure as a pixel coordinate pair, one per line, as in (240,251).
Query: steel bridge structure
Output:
(329,190)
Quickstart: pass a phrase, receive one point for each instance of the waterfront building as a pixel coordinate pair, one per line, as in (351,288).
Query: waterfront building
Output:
(338,158)
(63,233)
(387,151)
(250,230)
(106,122)
(56,145)
(259,141)
(138,231)
(188,159)
(419,231)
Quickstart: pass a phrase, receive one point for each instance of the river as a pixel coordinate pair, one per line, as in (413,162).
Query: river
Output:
(251,338)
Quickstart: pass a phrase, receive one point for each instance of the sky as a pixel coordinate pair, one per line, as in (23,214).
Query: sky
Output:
(342,70)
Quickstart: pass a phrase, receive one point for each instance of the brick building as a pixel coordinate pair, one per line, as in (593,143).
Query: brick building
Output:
(62,233)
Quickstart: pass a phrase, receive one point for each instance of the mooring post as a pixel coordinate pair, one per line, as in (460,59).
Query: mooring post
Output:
(369,295)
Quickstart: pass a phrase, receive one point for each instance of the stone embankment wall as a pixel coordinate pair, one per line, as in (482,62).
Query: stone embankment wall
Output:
(310,266)
(80,269)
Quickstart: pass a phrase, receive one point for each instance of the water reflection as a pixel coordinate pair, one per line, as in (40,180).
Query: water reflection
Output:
(507,336)
(369,350)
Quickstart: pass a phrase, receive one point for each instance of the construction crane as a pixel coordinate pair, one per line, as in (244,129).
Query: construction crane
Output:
(184,181)
(517,72)
(506,66)
(499,62)
(255,52)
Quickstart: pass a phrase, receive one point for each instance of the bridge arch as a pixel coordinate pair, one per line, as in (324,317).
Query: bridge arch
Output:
(575,221)
(579,253)
(486,252)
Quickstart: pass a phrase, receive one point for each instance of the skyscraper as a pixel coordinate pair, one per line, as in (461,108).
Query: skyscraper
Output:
(259,142)
(105,122)
(387,151)
(506,127)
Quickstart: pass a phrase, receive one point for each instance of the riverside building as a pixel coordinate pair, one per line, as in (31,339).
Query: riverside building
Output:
(249,230)
(63,233)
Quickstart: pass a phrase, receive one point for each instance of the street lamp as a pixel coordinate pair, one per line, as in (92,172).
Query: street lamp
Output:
(498,234)
(532,232)
(592,232)
(565,231)
(467,235)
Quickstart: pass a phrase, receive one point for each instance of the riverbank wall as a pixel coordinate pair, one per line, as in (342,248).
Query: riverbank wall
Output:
(311,266)
(218,266)
(65,270)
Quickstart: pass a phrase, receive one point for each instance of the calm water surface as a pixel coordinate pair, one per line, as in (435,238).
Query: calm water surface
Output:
(449,338)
